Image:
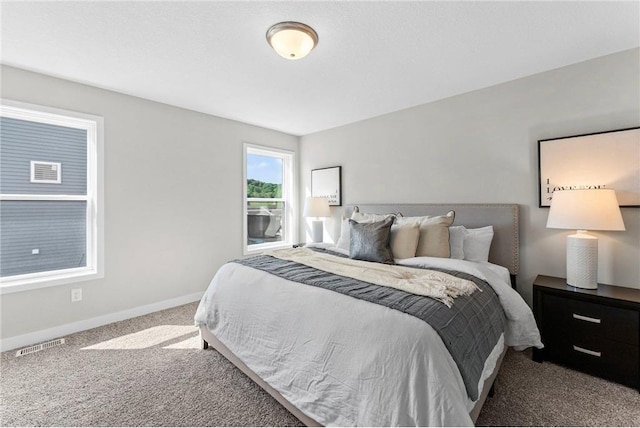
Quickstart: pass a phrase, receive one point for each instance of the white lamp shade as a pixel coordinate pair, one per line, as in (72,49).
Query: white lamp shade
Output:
(585,209)
(317,207)
(292,40)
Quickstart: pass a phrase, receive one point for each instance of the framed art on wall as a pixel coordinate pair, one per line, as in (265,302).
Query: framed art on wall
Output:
(327,182)
(609,160)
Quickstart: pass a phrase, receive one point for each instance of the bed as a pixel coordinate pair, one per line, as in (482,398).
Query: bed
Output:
(338,359)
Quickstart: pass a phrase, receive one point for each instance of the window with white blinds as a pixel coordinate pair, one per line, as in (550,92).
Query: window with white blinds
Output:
(50,196)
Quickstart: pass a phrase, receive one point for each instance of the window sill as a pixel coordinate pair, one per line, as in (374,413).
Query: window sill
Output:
(50,279)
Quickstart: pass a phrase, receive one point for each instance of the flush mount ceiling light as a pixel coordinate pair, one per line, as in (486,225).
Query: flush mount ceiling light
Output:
(292,40)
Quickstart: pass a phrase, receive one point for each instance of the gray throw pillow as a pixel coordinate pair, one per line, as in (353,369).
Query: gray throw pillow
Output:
(371,241)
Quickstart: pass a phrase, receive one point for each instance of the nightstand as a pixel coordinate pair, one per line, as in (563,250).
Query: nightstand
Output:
(594,331)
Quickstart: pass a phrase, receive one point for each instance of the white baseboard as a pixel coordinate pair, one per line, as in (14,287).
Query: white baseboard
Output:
(74,327)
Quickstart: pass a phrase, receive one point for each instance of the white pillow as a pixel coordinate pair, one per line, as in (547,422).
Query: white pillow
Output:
(411,220)
(344,240)
(477,243)
(404,240)
(456,241)
(368,218)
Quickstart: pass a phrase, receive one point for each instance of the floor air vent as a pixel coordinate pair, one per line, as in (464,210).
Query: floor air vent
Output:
(40,347)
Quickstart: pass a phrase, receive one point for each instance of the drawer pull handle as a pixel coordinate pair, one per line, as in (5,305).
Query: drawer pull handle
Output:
(587,351)
(588,319)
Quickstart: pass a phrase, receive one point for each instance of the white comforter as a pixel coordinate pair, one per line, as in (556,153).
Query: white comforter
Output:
(344,361)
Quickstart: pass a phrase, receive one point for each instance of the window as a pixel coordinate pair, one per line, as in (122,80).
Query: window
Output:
(50,197)
(268,198)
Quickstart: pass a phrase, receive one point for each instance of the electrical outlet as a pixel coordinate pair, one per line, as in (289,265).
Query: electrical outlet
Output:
(35,251)
(76,294)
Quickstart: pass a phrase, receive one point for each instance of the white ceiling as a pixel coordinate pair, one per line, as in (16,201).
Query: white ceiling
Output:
(372,58)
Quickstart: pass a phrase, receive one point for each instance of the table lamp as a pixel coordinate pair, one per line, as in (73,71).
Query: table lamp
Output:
(317,207)
(584,209)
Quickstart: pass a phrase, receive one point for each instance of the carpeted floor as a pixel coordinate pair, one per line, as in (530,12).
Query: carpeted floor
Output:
(149,371)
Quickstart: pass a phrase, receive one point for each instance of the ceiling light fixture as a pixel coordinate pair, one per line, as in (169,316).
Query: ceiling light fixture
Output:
(292,40)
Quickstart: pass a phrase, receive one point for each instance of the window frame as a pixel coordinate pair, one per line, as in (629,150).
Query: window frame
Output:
(289,197)
(94,125)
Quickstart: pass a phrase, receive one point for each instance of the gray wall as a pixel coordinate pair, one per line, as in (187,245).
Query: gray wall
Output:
(481,147)
(173,201)
(173,177)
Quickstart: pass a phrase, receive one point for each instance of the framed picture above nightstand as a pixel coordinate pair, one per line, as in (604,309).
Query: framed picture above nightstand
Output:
(596,331)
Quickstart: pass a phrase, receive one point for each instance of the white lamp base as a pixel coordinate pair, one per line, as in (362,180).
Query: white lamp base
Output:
(582,260)
(316,230)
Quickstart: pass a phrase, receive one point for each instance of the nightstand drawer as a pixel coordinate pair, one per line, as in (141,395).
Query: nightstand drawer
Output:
(585,319)
(605,358)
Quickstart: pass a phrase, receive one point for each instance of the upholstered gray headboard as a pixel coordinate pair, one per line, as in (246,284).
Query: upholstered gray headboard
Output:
(505,248)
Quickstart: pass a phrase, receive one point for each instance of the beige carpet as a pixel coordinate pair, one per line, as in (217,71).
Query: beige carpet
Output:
(149,371)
